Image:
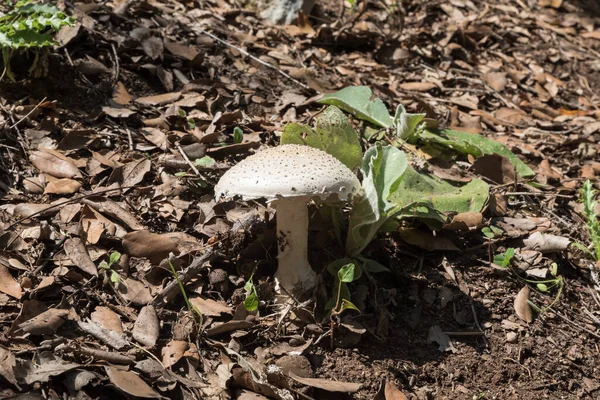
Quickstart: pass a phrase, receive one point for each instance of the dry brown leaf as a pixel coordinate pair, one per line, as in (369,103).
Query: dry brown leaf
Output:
(130,383)
(46,323)
(173,352)
(107,319)
(25,210)
(550,3)
(54,163)
(514,116)
(209,307)
(62,186)
(417,86)
(327,385)
(495,167)
(154,246)
(134,171)
(186,52)
(159,99)
(217,329)
(7,365)
(8,284)
(112,338)
(42,367)
(592,35)
(393,393)
(496,80)
(146,327)
(522,307)
(134,291)
(113,209)
(120,94)
(546,243)
(465,221)
(118,112)
(35,184)
(155,136)
(78,254)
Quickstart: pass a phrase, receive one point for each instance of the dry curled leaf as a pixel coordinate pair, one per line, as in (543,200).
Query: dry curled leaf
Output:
(173,352)
(107,319)
(7,365)
(522,307)
(546,243)
(327,385)
(78,254)
(130,383)
(146,327)
(46,323)
(8,284)
(54,163)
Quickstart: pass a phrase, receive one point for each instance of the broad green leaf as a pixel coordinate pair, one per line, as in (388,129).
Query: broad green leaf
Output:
(542,287)
(373,266)
(205,161)
(382,168)
(475,145)
(115,256)
(358,101)
(554,269)
(432,199)
(334,266)
(103,265)
(251,301)
(238,135)
(406,124)
(114,277)
(346,273)
(333,134)
(487,232)
(348,305)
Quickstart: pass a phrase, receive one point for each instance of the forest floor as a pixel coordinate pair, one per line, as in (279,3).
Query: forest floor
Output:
(134,85)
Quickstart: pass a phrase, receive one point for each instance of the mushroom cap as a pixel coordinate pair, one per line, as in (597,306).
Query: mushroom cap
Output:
(288,171)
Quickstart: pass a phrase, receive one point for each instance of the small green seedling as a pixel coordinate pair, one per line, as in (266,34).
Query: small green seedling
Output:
(346,274)
(205,161)
(491,231)
(238,135)
(193,310)
(106,267)
(251,301)
(544,286)
(503,260)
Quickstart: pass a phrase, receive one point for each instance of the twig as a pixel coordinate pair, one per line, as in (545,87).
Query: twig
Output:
(187,160)
(129,138)
(244,52)
(576,325)
(117,68)
(537,194)
(28,114)
(69,201)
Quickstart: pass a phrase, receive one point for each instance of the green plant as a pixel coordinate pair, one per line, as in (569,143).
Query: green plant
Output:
(591,221)
(251,300)
(238,135)
(107,267)
(194,311)
(30,27)
(341,295)
(557,282)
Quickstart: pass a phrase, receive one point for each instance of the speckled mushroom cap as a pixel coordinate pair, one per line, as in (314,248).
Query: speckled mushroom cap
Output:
(288,171)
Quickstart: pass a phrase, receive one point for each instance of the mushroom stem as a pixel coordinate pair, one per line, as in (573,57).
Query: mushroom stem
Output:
(294,273)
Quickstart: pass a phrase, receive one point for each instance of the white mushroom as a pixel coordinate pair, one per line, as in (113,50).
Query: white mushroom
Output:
(289,176)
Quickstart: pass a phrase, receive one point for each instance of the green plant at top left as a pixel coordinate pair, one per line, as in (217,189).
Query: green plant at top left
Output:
(29,29)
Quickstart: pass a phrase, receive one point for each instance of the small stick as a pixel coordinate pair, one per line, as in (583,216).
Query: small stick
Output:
(69,201)
(28,114)
(185,157)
